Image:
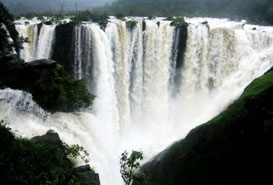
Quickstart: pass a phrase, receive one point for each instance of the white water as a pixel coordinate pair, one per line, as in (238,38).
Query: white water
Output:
(131,75)
(40,44)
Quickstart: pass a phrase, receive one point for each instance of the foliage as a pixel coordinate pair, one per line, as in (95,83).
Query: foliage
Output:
(75,151)
(129,166)
(50,85)
(7,30)
(98,17)
(79,94)
(120,16)
(27,162)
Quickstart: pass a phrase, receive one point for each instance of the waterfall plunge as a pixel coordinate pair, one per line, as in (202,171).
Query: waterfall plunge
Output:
(132,77)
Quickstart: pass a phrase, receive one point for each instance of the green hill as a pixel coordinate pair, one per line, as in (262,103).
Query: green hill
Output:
(236,147)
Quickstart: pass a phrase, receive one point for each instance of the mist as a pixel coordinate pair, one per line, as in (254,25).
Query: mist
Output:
(17,7)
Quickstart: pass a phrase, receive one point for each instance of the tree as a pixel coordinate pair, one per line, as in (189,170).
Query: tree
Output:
(129,167)
(41,161)
(10,41)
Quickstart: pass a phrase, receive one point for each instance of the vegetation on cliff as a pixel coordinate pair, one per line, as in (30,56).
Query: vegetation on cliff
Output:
(98,17)
(42,160)
(7,31)
(50,85)
(236,147)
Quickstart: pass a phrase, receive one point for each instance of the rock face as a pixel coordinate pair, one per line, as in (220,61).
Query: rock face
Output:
(53,138)
(236,147)
(63,47)
(92,178)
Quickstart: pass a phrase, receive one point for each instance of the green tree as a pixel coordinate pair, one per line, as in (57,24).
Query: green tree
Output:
(129,166)
(38,162)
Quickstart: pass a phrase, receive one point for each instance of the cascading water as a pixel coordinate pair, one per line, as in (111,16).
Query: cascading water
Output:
(40,40)
(131,72)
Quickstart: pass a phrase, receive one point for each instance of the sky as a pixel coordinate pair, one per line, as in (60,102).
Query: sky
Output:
(23,6)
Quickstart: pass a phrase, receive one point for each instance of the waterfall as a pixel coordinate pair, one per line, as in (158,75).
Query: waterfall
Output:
(131,71)
(45,41)
(40,40)
(30,32)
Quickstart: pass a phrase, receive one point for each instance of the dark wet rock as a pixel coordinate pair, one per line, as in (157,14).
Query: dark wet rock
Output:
(204,22)
(92,178)
(52,138)
(41,62)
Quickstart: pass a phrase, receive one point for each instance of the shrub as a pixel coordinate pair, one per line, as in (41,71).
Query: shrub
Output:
(27,162)
(98,17)
(129,166)
(50,85)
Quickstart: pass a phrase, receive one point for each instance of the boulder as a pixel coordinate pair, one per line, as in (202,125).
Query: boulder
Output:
(48,23)
(204,22)
(52,138)
(41,62)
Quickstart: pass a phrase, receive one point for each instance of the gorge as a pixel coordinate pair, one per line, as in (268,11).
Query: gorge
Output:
(148,94)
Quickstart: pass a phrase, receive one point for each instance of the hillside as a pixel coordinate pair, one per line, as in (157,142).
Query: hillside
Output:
(253,10)
(236,147)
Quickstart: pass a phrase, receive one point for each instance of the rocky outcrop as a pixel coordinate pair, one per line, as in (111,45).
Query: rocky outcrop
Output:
(91,177)
(48,82)
(236,147)
(51,137)
(41,63)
